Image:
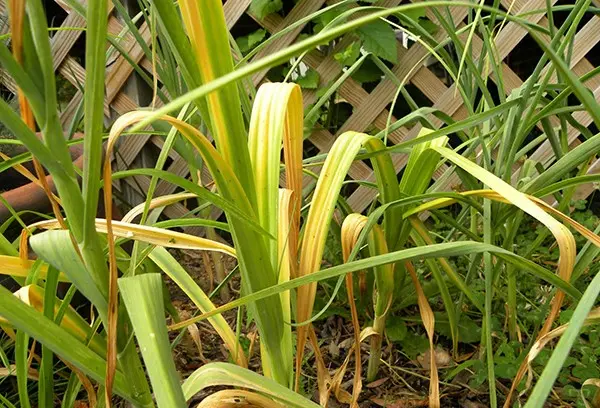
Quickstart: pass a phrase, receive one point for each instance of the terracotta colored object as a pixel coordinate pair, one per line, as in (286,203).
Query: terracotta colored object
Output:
(32,197)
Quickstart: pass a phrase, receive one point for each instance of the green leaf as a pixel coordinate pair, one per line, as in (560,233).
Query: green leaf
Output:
(415,14)
(468,330)
(328,16)
(420,17)
(396,330)
(506,361)
(414,344)
(247,42)
(262,8)
(57,339)
(310,80)
(142,295)
(349,55)
(379,39)
(55,247)
(368,72)
(506,370)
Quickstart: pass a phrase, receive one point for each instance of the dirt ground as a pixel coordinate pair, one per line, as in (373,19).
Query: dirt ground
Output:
(402,383)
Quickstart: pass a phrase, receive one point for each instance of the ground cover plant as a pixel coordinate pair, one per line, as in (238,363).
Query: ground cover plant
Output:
(502,272)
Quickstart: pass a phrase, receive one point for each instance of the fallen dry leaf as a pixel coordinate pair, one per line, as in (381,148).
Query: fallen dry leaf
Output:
(377,383)
(442,358)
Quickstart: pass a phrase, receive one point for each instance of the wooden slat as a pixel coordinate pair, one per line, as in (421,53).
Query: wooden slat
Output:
(233,10)
(121,69)
(63,40)
(178,167)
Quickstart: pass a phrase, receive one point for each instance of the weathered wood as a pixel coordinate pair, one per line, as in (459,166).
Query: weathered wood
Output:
(233,10)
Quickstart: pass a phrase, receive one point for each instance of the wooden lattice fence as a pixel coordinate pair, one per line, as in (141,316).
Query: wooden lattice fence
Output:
(369,108)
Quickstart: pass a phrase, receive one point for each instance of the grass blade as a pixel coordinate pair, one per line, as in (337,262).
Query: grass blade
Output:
(46,383)
(22,363)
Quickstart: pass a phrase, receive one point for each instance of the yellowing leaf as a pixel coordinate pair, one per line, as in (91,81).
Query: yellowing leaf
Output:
(327,190)
(429,323)
(564,238)
(162,201)
(151,235)
(15,266)
(232,398)
(351,229)
(72,322)
(276,121)
(324,200)
(285,266)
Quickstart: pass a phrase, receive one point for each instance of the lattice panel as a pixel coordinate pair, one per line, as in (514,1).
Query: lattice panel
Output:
(368,108)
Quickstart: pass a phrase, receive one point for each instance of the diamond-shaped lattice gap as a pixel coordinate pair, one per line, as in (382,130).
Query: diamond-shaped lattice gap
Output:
(55,14)
(524,57)
(594,55)
(77,51)
(402,106)
(65,91)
